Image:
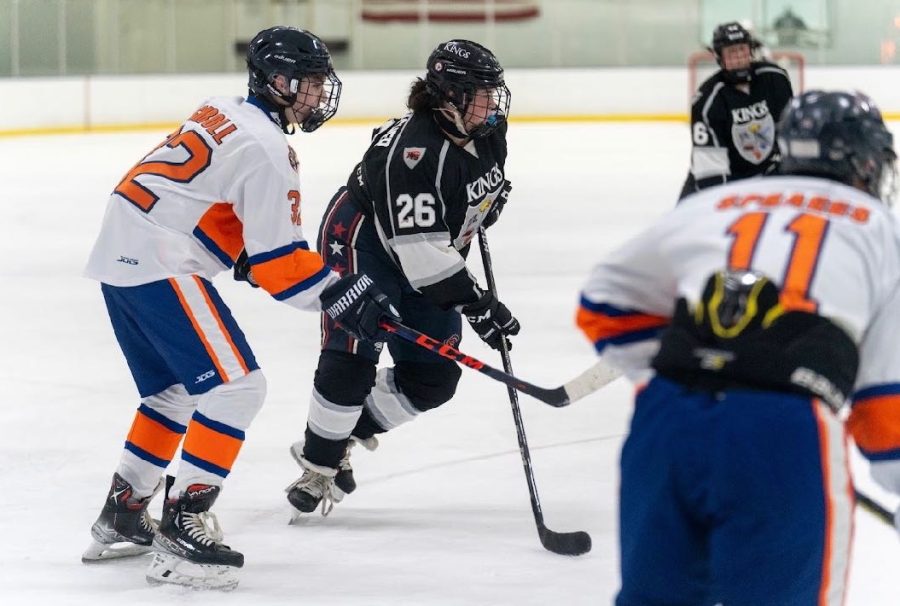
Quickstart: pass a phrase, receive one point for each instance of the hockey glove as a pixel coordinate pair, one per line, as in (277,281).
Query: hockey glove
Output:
(358,306)
(491,320)
(739,336)
(242,271)
(498,205)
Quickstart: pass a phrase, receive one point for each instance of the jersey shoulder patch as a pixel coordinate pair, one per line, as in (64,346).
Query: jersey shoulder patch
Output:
(412,155)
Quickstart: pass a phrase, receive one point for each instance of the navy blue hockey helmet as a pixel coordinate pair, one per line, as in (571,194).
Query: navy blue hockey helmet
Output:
(456,69)
(295,54)
(731,34)
(840,136)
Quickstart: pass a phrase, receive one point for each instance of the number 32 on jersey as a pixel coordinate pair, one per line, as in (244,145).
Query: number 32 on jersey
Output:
(808,233)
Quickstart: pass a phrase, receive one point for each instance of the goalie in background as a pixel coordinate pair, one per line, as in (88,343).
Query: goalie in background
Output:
(751,316)
(734,113)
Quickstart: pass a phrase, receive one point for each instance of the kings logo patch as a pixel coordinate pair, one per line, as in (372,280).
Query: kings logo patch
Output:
(753,132)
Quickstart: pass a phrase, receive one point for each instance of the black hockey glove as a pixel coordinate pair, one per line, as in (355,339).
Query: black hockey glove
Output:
(358,306)
(498,205)
(739,336)
(491,320)
(242,271)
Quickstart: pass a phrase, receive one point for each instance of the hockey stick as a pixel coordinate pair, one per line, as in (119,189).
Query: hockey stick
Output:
(566,543)
(875,508)
(584,384)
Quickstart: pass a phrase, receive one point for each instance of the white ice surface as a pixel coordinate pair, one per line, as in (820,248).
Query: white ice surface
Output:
(442,513)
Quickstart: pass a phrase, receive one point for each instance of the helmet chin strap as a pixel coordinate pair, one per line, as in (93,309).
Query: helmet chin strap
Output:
(450,121)
(292,121)
(289,121)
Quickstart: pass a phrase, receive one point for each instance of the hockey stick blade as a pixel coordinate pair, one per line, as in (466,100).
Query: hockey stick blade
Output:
(584,384)
(565,543)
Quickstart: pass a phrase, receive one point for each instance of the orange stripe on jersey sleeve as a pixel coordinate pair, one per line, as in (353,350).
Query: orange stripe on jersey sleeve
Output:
(220,227)
(874,424)
(604,325)
(278,273)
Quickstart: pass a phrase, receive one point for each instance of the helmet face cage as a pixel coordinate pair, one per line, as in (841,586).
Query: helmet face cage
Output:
(302,59)
(469,77)
(841,136)
(328,101)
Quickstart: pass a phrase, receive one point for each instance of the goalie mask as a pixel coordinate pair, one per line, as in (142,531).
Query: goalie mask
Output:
(469,78)
(304,62)
(840,136)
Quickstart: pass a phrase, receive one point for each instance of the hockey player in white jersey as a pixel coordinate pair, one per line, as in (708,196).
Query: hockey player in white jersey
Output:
(749,315)
(225,182)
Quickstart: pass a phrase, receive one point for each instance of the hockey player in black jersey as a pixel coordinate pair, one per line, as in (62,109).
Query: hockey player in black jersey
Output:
(406,217)
(734,112)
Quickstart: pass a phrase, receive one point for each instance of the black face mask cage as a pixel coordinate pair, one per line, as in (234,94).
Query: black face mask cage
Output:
(461,96)
(497,104)
(328,102)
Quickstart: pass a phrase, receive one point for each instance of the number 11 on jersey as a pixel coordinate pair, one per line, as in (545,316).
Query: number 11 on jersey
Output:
(808,232)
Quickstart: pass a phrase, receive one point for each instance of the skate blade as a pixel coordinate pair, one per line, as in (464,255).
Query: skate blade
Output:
(102,552)
(297,517)
(169,569)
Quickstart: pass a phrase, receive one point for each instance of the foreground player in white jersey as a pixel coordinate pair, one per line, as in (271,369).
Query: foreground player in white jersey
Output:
(750,315)
(223,183)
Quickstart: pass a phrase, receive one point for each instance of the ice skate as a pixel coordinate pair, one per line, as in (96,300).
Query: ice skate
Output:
(306,493)
(315,486)
(344,483)
(124,528)
(188,544)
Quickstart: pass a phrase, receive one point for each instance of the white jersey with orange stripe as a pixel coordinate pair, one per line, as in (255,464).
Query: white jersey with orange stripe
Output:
(226,180)
(832,249)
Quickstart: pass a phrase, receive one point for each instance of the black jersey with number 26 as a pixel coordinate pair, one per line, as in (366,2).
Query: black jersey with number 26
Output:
(428,197)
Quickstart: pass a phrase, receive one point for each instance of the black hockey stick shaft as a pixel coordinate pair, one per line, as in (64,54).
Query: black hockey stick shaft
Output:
(569,543)
(874,507)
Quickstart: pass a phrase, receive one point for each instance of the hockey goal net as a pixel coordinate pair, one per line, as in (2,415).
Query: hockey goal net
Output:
(702,64)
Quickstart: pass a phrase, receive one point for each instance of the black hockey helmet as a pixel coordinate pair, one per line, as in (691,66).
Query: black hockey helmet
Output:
(731,34)
(458,68)
(292,53)
(840,136)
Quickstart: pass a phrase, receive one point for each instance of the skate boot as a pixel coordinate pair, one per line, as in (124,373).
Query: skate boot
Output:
(344,483)
(124,528)
(315,486)
(188,544)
